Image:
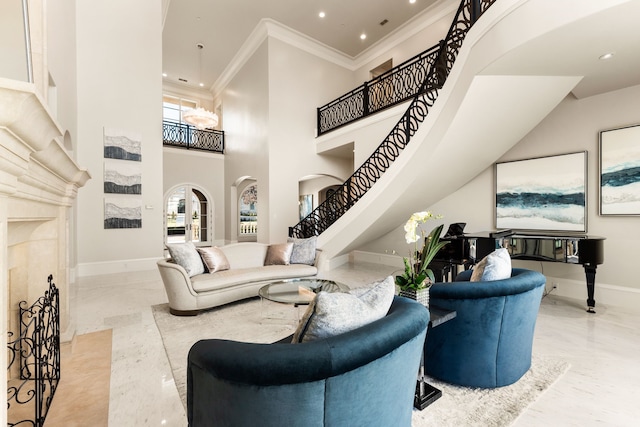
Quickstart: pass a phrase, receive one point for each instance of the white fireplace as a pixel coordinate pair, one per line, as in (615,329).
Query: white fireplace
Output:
(38,185)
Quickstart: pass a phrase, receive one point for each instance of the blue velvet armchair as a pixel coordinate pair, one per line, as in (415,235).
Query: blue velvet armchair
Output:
(365,377)
(489,343)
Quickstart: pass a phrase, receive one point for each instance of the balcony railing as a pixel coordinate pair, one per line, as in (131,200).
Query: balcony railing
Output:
(397,85)
(175,134)
(444,55)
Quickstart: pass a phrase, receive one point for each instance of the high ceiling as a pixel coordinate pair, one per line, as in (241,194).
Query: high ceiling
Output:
(222,26)
(577,49)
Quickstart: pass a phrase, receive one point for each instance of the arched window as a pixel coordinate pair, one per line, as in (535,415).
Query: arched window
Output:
(249,212)
(187,216)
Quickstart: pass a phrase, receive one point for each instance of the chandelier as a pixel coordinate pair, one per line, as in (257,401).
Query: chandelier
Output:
(199,117)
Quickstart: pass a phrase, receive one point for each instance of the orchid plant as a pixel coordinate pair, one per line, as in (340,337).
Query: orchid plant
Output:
(417,274)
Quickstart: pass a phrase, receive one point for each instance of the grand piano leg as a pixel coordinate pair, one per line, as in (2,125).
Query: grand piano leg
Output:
(590,272)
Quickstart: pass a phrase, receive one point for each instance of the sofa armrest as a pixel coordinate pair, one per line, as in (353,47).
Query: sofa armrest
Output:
(177,284)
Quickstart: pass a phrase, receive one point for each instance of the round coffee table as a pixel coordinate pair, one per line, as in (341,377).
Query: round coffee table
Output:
(299,291)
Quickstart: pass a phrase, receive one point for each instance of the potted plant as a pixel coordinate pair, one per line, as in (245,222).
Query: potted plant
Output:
(418,277)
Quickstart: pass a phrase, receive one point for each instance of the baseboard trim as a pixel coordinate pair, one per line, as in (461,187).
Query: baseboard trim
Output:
(118,266)
(605,294)
(376,258)
(325,264)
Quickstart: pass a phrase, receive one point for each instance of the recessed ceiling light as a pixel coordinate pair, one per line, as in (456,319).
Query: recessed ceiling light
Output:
(363,36)
(412,1)
(201,84)
(164,74)
(321,15)
(606,56)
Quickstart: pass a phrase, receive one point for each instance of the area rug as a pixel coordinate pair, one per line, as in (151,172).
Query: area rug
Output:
(263,322)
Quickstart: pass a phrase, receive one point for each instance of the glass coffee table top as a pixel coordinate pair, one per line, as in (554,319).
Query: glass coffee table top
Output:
(299,291)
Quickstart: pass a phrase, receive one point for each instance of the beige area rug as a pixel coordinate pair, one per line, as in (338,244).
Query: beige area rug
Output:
(263,322)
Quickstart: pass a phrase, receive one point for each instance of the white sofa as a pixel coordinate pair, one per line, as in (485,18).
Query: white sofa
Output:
(246,275)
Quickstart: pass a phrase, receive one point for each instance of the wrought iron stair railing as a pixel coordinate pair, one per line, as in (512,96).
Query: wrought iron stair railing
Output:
(440,59)
(175,134)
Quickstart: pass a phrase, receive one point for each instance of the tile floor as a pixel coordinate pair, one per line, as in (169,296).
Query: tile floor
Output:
(600,389)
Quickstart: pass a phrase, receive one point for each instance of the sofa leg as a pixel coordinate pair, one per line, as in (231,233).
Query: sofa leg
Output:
(183,312)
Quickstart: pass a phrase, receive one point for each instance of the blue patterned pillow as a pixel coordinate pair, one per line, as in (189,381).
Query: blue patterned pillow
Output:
(186,256)
(335,313)
(304,250)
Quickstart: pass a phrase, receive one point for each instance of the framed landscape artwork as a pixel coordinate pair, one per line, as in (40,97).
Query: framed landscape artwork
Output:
(620,171)
(544,193)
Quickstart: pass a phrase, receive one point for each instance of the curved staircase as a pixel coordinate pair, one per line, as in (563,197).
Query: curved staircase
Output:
(486,103)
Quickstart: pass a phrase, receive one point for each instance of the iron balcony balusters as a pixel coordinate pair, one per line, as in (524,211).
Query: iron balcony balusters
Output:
(175,134)
(397,85)
(438,62)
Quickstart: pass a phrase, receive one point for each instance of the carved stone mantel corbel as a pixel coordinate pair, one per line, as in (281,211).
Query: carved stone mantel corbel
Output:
(29,145)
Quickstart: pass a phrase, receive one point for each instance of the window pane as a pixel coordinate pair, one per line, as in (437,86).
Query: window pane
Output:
(170,114)
(187,105)
(175,217)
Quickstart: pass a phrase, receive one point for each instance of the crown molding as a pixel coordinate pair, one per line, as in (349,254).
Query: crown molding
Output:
(270,28)
(179,90)
(421,21)
(266,28)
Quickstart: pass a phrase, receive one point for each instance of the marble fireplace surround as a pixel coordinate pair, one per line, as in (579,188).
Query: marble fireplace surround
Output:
(39,182)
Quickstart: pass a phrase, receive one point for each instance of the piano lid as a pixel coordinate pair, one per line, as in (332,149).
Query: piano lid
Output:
(551,247)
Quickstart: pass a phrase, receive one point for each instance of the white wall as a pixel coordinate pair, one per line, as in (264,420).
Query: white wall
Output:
(119,57)
(269,112)
(61,60)
(297,83)
(246,117)
(573,126)
(202,170)
(12,41)
(418,42)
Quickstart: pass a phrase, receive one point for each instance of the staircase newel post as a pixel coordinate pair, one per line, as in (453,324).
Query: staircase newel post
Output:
(441,65)
(365,99)
(318,119)
(475,11)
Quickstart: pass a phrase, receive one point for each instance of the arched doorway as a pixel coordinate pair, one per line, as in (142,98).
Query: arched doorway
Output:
(248,218)
(187,216)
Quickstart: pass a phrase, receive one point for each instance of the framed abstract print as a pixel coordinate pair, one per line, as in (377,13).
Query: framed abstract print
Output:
(620,171)
(544,193)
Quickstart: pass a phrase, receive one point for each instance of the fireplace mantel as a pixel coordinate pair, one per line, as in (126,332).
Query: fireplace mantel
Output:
(32,158)
(39,182)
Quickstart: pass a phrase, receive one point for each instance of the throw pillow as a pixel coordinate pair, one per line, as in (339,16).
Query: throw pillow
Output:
(304,250)
(186,256)
(495,266)
(214,259)
(335,313)
(279,254)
